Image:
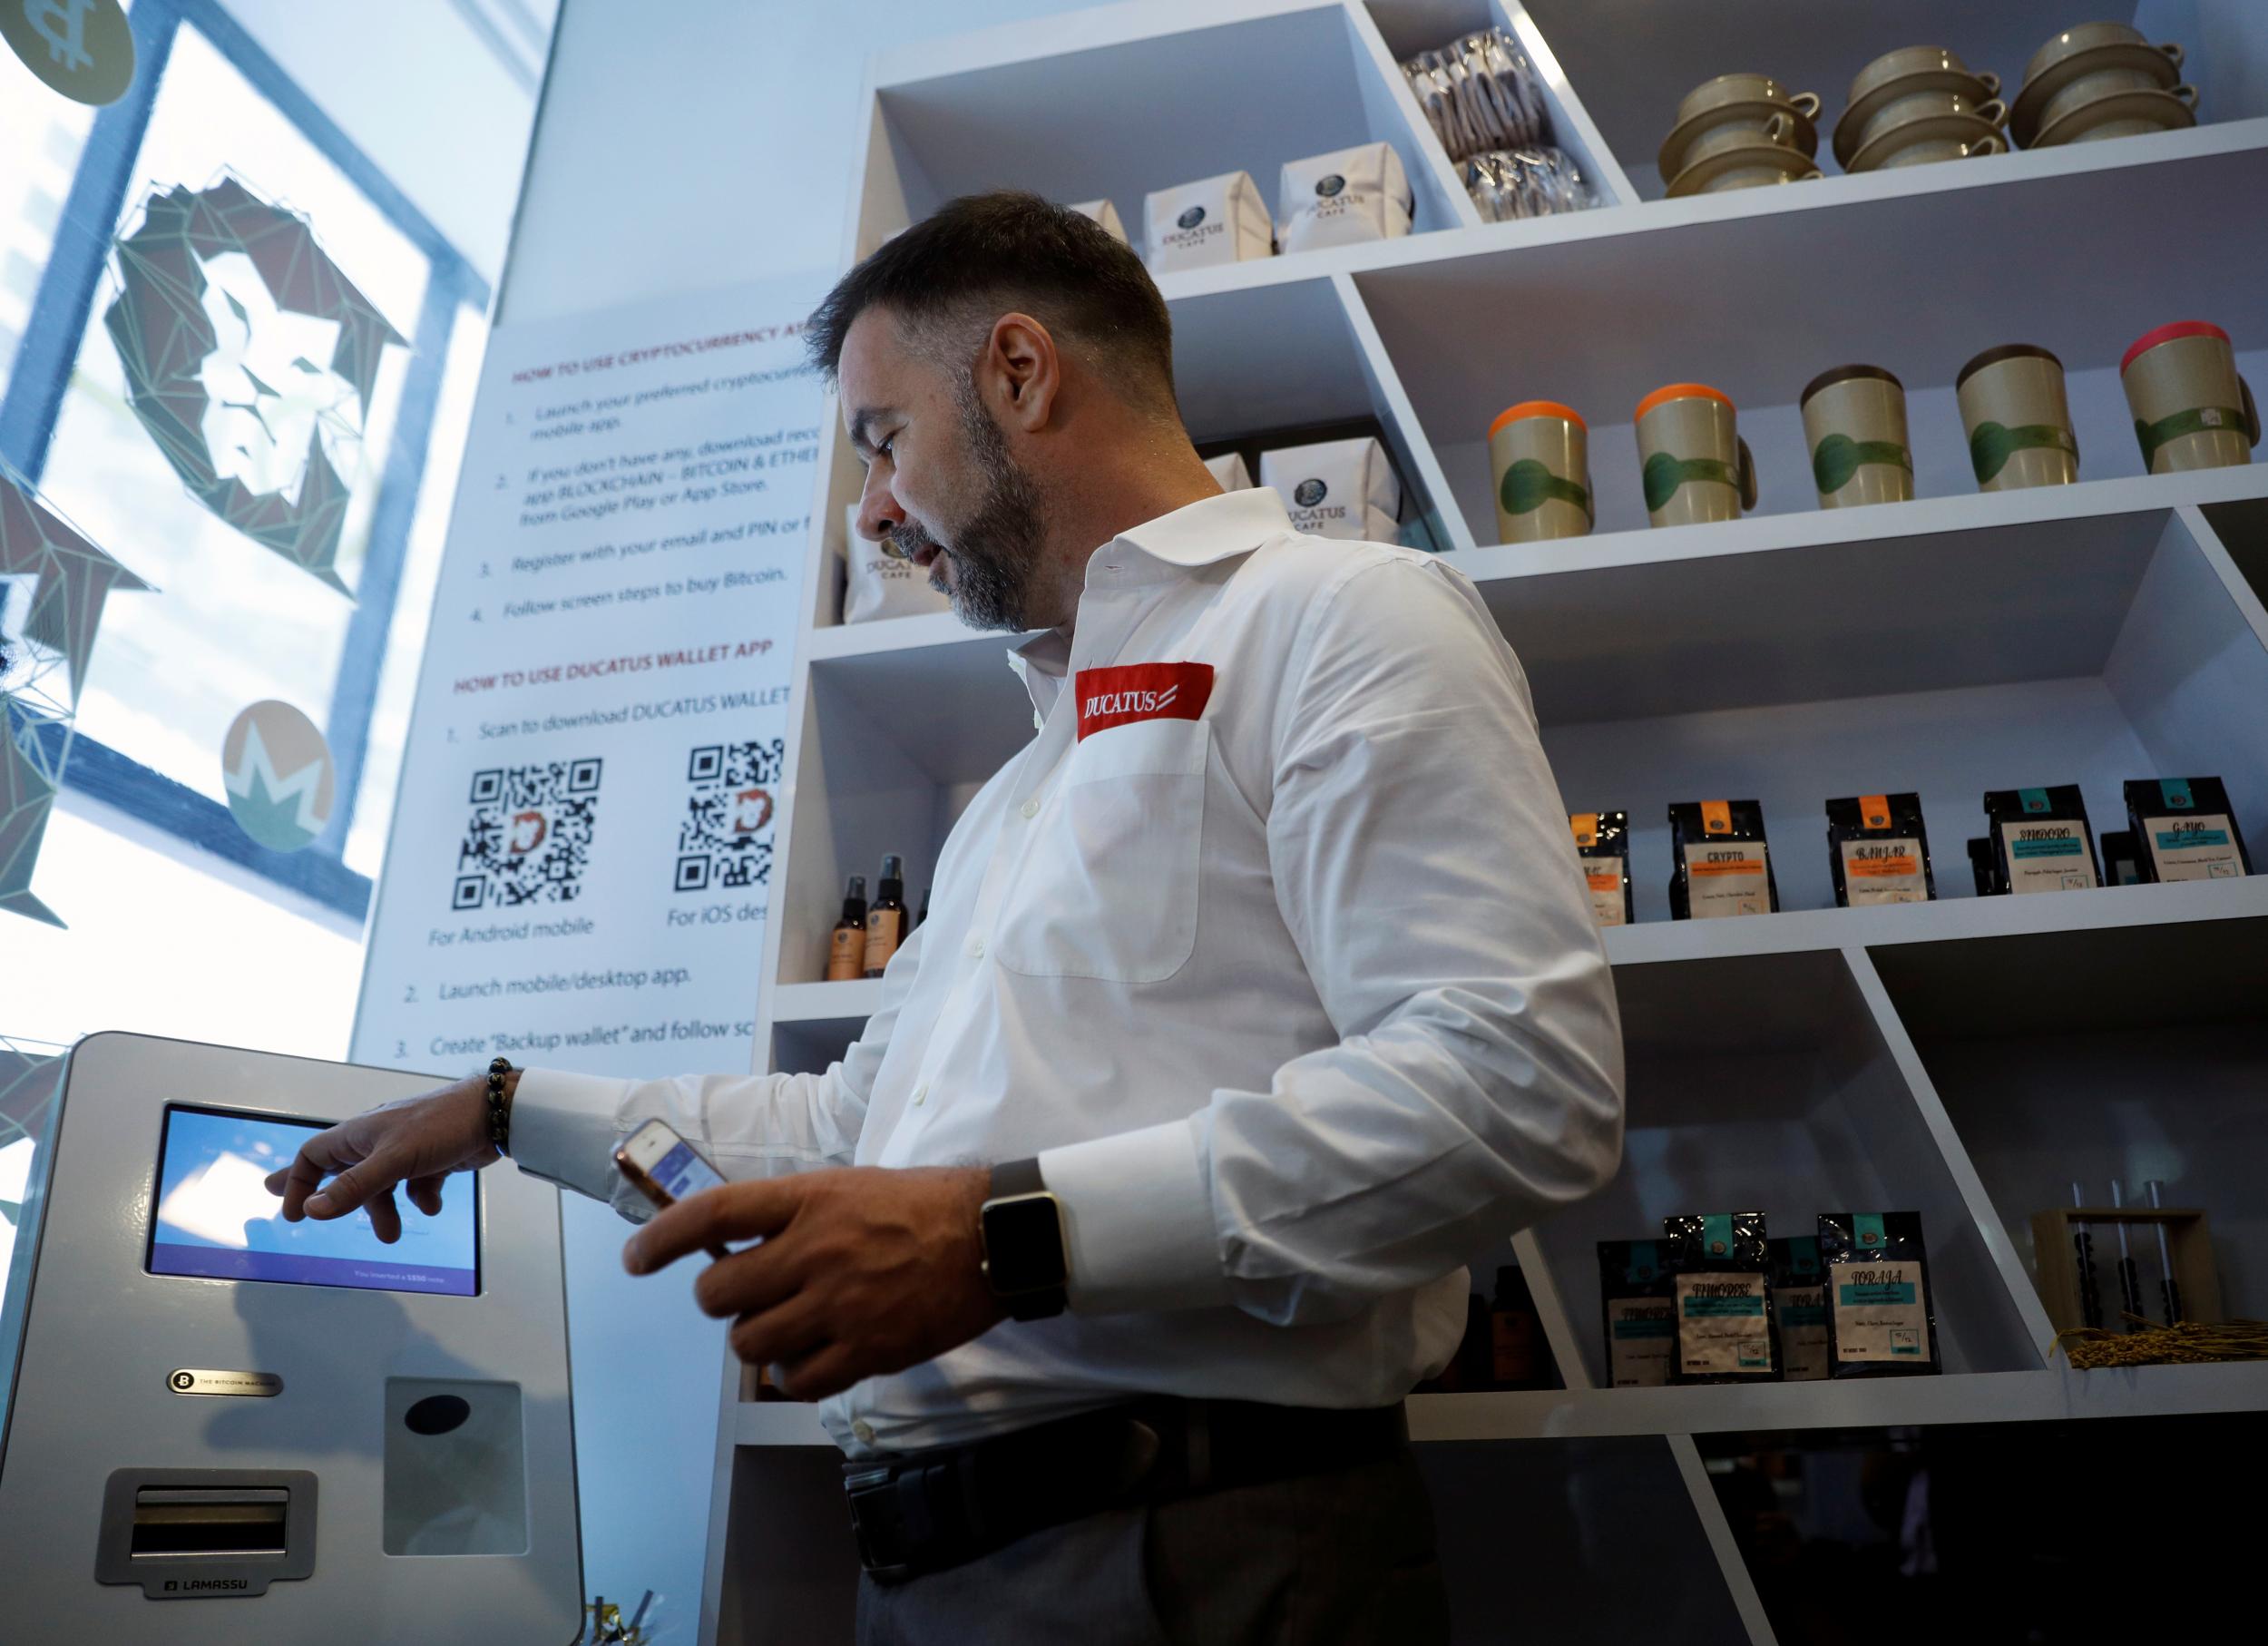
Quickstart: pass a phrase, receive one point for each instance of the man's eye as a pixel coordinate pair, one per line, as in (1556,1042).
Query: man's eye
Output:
(883,450)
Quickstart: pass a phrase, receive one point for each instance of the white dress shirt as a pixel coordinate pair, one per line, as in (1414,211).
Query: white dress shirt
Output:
(1300,1003)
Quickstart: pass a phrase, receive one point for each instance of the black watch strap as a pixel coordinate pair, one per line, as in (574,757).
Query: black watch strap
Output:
(1015,1245)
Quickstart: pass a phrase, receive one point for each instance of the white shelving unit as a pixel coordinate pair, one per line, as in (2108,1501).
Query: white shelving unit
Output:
(1967,1057)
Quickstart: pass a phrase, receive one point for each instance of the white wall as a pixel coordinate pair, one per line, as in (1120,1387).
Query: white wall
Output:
(704,142)
(678,148)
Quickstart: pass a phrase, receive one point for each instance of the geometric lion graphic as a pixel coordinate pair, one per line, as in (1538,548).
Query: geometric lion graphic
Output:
(52,584)
(250,358)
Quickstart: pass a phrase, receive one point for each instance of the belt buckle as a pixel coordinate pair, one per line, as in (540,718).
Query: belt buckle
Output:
(878,1522)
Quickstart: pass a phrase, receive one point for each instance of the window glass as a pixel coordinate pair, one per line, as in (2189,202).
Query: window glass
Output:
(41,136)
(231,622)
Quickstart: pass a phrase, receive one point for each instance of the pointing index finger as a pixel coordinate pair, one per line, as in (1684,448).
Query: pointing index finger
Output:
(326,1152)
(732,1211)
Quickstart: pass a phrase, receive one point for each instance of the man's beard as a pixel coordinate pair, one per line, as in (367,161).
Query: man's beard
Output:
(995,552)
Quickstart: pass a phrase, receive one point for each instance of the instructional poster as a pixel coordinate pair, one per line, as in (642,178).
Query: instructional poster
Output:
(581,861)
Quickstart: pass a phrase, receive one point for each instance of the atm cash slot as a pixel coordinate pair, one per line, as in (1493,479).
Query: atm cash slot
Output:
(171,1521)
(206,1534)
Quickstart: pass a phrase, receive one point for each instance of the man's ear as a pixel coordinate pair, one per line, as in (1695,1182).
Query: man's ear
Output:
(1023,372)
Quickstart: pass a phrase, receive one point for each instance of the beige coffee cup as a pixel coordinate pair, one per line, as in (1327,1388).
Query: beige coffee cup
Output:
(1774,127)
(2191,408)
(1743,88)
(1540,453)
(2092,37)
(2018,422)
(2108,83)
(1912,61)
(1925,141)
(1929,104)
(1854,422)
(1695,465)
(1748,167)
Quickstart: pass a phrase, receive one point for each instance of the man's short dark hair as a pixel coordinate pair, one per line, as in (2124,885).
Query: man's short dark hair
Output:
(985,255)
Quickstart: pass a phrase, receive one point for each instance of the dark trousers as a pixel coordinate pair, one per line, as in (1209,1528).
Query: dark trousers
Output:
(1344,1557)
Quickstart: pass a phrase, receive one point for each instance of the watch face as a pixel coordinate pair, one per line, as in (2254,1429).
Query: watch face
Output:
(1023,1244)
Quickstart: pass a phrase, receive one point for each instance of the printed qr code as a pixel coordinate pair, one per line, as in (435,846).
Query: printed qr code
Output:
(725,838)
(529,838)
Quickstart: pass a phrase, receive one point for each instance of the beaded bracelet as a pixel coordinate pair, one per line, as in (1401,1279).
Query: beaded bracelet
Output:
(499,1104)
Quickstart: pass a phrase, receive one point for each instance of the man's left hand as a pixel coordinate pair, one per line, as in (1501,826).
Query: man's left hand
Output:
(863,1270)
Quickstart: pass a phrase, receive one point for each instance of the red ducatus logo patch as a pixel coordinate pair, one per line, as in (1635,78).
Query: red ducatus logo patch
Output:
(1142,692)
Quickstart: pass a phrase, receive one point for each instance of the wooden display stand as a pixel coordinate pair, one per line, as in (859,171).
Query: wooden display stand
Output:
(2055,1259)
(1948,1057)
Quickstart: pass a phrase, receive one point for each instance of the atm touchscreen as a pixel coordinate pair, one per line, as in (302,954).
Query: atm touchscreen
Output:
(215,1219)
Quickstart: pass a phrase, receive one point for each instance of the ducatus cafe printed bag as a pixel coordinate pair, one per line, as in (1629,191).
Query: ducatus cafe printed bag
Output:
(1337,488)
(1217,220)
(1342,198)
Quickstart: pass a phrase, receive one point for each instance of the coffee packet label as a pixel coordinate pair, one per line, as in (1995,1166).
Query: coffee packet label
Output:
(1342,198)
(1722,1326)
(879,582)
(1883,871)
(1606,897)
(1105,214)
(1882,1312)
(1641,1333)
(1337,488)
(2193,846)
(1217,220)
(2047,854)
(1727,877)
(1802,1312)
(1229,469)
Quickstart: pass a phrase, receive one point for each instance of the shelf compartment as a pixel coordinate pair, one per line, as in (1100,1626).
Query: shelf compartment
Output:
(1634,62)
(2101,1055)
(1757,300)
(1110,103)
(1764,1082)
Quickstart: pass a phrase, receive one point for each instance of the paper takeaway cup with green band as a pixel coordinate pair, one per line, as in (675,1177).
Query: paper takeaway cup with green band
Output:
(1854,422)
(1695,466)
(1540,452)
(2019,424)
(2191,410)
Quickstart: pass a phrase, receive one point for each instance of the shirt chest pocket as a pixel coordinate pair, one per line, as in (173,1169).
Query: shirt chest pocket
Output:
(1109,884)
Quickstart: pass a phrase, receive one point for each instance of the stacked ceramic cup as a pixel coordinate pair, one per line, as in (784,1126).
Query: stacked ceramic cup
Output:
(1917,105)
(1738,132)
(2101,80)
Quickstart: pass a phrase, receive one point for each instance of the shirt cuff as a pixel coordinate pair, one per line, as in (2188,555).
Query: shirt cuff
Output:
(565,1128)
(1138,1212)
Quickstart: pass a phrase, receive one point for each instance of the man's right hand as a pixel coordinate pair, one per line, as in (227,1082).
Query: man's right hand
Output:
(415,1143)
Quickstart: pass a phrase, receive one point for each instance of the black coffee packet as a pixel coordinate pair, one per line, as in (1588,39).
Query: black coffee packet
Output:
(1721,1282)
(2122,857)
(2040,840)
(1722,864)
(2183,829)
(1637,1312)
(1879,1322)
(1799,1307)
(1878,851)
(1602,839)
(1982,866)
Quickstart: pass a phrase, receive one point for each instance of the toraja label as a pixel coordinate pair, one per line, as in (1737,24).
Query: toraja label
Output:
(1725,877)
(1640,1337)
(1605,877)
(1882,871)
(1721,1325)
(1142,692)
(2048,856)
(2200,846)
(1880,1312)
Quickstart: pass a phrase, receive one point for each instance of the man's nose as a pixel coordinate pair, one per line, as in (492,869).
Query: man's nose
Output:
(878,511)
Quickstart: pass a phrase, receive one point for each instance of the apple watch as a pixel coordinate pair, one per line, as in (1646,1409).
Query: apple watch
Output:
(1026,1261)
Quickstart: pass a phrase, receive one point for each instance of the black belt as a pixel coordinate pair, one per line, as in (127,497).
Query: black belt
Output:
(928,1511)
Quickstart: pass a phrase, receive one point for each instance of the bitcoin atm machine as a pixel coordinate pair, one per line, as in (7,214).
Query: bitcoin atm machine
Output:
(224,1428)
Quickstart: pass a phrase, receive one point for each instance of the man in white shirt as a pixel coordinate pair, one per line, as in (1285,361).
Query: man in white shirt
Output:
(1259,994)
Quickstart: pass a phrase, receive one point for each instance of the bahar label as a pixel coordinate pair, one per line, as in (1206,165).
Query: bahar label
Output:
(1605,878)
(1880,1312)
(1883,871)
(1725,877)
(1802,1312)
(1721,1325)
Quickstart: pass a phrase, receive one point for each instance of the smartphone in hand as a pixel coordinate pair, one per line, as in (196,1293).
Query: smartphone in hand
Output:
(665,1168)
